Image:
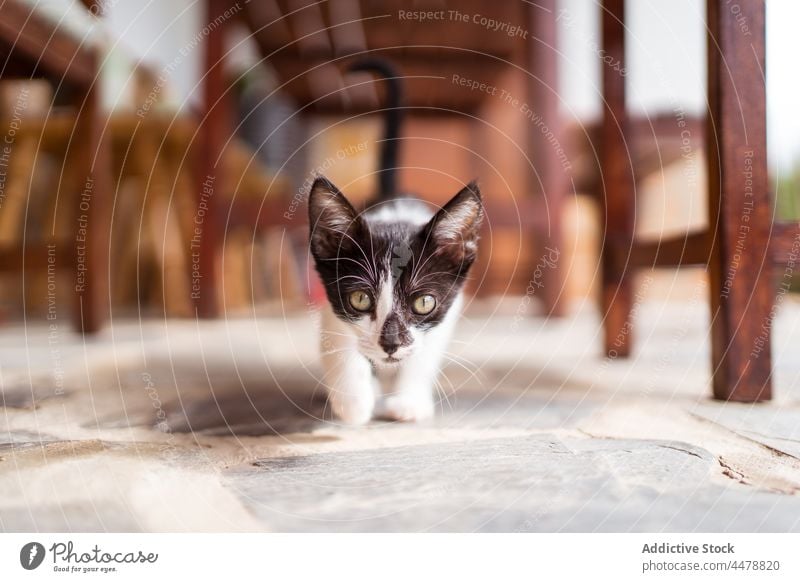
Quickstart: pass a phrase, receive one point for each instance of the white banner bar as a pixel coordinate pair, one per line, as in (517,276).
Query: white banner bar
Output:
(400,557)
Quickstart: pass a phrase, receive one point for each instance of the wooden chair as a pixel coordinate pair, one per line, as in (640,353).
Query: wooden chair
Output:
(33,46)
(743,245)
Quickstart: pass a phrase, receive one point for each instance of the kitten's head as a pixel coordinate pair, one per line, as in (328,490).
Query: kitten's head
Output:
(391,276)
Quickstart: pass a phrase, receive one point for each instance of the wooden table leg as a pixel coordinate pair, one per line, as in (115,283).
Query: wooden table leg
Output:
(88,149)
(213,132)
(553,182)
(739,201)
(618,189)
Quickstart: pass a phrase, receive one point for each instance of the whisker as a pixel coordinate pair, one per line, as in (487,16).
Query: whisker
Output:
(368,263)
(460,358)
(336,333)
(336,351)
(471,373)
(364,266)
(419,283)
(439,389)
(358,278)
(422,253)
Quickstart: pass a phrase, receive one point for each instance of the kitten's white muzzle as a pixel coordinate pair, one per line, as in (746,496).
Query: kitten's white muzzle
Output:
(381,359)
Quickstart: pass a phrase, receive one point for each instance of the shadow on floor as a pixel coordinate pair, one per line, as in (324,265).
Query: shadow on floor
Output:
(248,413)
(251,400)
(231,402)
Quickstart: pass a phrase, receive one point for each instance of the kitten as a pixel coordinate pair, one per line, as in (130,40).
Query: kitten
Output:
(393,276)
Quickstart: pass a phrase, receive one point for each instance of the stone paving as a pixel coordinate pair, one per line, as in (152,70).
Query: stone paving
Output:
(221,426)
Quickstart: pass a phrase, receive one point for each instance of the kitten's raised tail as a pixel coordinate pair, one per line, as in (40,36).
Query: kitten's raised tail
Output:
(393,113)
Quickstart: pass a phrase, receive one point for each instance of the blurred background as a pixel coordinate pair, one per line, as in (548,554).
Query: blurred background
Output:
(285,107)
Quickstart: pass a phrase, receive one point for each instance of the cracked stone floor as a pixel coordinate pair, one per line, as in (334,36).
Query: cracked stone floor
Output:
(220,426)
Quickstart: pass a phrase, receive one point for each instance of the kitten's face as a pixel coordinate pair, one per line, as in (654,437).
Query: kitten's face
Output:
(391,278)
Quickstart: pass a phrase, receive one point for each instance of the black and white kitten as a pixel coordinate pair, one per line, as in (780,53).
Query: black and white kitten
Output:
(393,275)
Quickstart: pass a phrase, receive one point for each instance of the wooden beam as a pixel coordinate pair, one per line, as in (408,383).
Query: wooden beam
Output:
(88,152)
(550,182)
(428,81)
(45,48)
(656,142)
(691,249)
(36,256)
(346,27)
(259,215)
(618,188)
(785,243)
(279,24)
(214,130)
(742,291)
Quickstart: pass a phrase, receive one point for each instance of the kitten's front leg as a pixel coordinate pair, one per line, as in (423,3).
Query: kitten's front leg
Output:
(410,396)
(350,389)
(348,379)
(351,392)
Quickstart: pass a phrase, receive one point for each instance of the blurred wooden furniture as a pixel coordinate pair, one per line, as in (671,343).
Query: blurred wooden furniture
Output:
(156,163)
(214,143)
(154,212)
(743,245)
(309,46)
(32,46)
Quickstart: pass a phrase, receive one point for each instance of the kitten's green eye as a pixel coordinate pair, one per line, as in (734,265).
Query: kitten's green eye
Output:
(424,304)
(360,301)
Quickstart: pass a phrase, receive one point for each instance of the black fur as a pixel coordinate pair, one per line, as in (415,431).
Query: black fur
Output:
(393,113)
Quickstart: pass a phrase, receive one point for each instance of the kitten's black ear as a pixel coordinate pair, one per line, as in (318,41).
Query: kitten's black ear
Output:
(333,221)
(458,223)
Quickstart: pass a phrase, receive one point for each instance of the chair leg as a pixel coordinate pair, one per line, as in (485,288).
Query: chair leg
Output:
(214,126)
(618,190)
(89,151)
(548,156)
(741,212)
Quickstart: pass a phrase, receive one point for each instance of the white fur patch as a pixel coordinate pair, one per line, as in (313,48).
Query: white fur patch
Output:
(385,300)
(411,211)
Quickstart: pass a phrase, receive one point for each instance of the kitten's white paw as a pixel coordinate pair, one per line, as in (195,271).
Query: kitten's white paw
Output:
(350,409)
(406,408)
